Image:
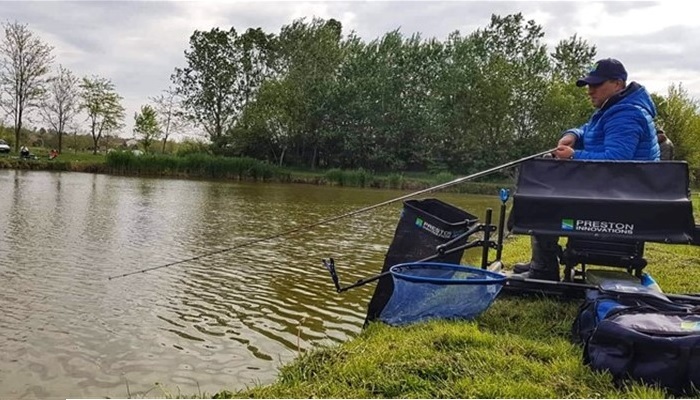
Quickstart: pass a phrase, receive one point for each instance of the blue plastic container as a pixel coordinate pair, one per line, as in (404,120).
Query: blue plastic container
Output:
(428,290)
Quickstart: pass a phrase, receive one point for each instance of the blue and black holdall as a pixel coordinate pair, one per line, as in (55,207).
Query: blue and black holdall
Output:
(635,332)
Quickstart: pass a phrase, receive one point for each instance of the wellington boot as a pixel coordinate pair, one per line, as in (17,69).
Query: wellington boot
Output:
(543,275)
(521,267)
(544,263)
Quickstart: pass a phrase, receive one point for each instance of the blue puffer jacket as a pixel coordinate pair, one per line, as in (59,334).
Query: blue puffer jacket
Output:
(623,129)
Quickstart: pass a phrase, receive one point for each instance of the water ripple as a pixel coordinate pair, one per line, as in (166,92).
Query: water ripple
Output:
(221,321)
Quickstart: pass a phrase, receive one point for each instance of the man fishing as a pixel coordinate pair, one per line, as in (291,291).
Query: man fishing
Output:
(621,128)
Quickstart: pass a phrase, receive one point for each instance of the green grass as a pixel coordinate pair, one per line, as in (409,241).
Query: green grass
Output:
(519,348)
(443,360)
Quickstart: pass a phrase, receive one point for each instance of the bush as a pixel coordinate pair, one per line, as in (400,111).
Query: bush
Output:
(443,177)
(395,181)
(188,147)
(358,178)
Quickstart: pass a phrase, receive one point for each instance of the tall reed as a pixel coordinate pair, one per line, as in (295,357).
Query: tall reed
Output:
(191,165)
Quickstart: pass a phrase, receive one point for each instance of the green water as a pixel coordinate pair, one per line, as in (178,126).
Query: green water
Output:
(221,321)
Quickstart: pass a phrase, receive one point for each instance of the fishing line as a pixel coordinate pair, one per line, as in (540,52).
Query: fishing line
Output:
(337,217)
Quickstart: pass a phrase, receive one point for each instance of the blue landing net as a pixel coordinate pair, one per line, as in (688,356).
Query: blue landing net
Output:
(426,290)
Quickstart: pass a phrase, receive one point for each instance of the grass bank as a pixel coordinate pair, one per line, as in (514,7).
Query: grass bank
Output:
(204,166)
(519,348)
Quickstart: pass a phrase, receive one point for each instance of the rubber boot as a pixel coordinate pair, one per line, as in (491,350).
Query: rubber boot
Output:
(521,267)
(545,262)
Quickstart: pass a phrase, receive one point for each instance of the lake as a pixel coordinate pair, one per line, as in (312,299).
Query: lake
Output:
(226,319)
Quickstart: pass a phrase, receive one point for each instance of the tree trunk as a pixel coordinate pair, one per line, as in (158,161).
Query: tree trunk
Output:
(284,150)
(60,142)
(313,157)
(17,129)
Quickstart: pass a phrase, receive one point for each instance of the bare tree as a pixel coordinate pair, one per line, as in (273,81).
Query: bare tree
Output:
(61,102)
(24,62)
(103,107)
(169,113)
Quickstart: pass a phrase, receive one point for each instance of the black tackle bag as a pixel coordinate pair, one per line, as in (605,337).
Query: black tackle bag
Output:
(634,332)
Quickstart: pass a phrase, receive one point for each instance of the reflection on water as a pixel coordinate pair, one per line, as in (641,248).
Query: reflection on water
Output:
(223,321)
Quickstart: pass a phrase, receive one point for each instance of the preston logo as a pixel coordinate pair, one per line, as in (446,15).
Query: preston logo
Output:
(435,230)
(567,224)
(584,225)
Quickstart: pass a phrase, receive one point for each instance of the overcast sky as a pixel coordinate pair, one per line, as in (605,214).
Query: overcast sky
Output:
(138,44)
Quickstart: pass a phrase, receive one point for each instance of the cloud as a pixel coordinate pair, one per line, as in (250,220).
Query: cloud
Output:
(139,44)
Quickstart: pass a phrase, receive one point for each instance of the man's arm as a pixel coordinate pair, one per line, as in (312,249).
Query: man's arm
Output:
(623,131)
(570,136)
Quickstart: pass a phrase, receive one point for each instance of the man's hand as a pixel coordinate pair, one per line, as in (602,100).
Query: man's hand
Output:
(565,152)
(569,139)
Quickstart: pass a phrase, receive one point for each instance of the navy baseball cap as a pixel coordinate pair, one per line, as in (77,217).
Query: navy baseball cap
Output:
(604,70)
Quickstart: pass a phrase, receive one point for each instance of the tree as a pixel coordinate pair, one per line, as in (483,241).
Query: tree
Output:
(103,107)
(169,114)
(267,125)
(24,62)
(679,116)
(572,58)
(259,61)
(61,102)
(146,125)
(208,85)
(311,55)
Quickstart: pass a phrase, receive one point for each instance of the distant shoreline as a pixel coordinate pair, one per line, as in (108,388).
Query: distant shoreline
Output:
(155,167)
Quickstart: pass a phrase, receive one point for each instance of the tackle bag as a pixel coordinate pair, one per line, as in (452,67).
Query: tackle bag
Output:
(615,295)
(634,332)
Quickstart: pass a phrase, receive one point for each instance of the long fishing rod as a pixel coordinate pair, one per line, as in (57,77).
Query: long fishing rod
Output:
(337,217)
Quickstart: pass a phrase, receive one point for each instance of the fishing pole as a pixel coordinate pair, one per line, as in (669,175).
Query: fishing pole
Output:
(337,217)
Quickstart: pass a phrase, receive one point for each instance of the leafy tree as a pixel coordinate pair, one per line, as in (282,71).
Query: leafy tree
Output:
(565,105)
(514,68)
(61,102)
(311,55)
(572,58)
(208,85)
(103,107)
(311,97)
(146,125)
(268,128)
(259,61)
(451,143)
(24,63)
(680,118)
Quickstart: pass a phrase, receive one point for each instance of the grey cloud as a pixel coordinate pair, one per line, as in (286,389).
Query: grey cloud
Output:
(663,49)
(138,44)
(430,19)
